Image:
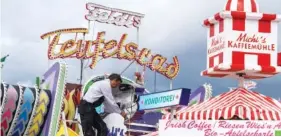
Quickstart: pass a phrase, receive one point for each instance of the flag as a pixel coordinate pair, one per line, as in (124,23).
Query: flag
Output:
(3,59)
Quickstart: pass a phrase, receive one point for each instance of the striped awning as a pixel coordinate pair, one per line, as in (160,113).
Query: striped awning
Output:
(241,102)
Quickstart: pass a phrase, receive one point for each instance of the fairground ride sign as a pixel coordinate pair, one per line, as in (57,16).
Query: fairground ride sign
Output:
(108,15)
(219,128)
(93,49)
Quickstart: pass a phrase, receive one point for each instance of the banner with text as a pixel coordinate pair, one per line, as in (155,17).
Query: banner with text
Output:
(164,99)
(219,128)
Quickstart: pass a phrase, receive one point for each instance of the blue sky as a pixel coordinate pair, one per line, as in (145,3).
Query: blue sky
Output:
(171,28)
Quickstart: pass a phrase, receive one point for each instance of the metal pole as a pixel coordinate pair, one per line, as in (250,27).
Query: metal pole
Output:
(81,70)
(154,81)
(127,67)
(49,40)
(241,80)
(137,69)
(173,109)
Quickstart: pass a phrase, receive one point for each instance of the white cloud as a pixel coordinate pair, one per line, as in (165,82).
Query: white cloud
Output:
(169,27)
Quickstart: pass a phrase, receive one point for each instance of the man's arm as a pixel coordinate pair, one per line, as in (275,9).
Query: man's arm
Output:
(110,104)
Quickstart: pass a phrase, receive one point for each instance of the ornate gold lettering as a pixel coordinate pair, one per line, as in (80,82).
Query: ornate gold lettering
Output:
(173,69)
(67,49)
(51,50)
(145,53)
(157,62)
(131,51)
(109,46)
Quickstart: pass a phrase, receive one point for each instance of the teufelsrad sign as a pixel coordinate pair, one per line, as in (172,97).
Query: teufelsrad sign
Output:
(93,49)
(164,99)
(219,128)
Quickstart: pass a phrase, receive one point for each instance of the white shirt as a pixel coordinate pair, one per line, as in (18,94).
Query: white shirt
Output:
(99,89)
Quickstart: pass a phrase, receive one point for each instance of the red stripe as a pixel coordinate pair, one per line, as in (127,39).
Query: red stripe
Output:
(264,115)
(223,112)
(229,112)
(267,70)
(212,30)
(279,59)
(252,117)
(221,26)
(277,116)
(239,20)
(237,111)
(211,62)
(244,113)
(205,115)
(238,58)
(212,59)
(193,115)
(259,114)
(271,115)
(221,22)
(217,114)
(198,115)
(181,116)
(254,6)
(263,59)
(265,23)
(228,5)
(210,114)
(218,17)
(207,22)
(240,5)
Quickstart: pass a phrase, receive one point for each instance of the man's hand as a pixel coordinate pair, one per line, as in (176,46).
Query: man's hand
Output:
(124,115)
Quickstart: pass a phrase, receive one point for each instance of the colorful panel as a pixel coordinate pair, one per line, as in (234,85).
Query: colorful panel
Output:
(36,123)
(197,96)
(10,109)
(26,110)
(3,96)
(54,79)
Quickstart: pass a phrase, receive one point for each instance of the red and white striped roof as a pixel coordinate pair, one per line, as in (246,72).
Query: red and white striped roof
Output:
(240,102)
(242,5)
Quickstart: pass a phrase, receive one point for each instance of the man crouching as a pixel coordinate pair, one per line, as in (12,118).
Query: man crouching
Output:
(100,92)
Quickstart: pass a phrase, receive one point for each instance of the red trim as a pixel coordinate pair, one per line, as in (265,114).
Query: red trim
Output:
(268,17)
(268,70)
(254,6)
(239,20)
(205,73)
(207,22)
(265,23)
(228,5)
(221,26)
(240,5)
(221,22)
(264,59)
(238,58)
(218,17)
(212,30)
(279,59)
(212,59)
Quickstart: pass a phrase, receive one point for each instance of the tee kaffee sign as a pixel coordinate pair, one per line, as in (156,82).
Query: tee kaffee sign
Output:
(219,128)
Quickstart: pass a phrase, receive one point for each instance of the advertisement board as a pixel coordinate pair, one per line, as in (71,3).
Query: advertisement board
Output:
(219,128)
(164,99)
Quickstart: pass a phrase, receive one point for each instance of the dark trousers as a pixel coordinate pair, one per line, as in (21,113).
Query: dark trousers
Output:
(90,118)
